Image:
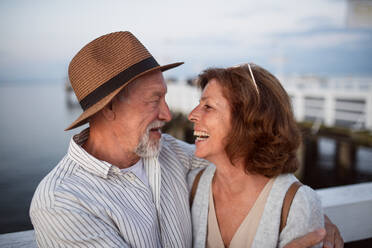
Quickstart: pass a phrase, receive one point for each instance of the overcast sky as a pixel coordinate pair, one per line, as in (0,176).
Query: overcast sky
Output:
(39,38)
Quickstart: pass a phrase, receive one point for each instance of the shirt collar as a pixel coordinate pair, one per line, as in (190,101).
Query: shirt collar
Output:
(138,170)
(88,162)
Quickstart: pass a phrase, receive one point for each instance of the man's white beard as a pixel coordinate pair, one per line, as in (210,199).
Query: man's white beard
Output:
(147,147)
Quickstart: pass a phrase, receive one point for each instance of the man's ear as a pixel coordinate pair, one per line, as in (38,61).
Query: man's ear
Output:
(108,113)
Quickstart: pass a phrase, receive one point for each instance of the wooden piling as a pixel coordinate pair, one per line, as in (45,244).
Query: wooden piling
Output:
(345,161)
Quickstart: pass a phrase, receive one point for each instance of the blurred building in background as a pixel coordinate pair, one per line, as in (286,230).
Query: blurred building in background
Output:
(359,13)
(332,101)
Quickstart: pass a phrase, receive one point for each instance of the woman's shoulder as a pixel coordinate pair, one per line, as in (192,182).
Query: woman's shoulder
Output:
(206,177)
(305,213)
(284,180)
(305,193)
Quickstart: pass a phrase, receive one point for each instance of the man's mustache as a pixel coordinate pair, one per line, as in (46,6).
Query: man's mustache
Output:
(155,124)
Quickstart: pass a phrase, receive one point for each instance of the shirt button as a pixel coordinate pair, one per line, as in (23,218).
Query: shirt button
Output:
(131,177)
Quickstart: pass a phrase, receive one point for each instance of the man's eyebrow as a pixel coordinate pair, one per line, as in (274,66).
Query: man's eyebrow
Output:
(157,93)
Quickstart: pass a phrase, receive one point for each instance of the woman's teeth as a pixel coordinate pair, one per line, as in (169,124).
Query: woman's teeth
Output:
(200,135)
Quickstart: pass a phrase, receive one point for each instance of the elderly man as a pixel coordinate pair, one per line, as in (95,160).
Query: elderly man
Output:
(122,183)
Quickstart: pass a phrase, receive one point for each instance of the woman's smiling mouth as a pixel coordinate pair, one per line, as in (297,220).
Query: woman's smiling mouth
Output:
(201,135)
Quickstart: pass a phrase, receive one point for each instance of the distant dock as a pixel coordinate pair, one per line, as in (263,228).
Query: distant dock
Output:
(329,101)
(332,101)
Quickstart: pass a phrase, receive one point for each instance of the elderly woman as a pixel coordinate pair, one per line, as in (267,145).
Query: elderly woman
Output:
(244,125)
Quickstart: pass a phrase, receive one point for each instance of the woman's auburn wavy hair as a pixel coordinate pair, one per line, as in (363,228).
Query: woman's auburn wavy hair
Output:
(263,131)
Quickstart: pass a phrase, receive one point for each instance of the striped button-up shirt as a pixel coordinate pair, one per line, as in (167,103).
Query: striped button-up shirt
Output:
(86,202)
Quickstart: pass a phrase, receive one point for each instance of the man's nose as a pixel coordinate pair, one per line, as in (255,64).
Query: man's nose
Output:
(165,114)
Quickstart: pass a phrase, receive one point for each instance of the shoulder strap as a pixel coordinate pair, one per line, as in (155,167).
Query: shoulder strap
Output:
(291,192)
(195,186)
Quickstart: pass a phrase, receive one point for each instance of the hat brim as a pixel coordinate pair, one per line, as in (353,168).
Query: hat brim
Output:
(84,117)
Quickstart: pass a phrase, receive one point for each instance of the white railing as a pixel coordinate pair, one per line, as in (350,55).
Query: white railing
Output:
(335,94)
(349,207)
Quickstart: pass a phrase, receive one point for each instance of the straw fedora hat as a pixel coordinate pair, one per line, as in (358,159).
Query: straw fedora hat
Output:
(102,68)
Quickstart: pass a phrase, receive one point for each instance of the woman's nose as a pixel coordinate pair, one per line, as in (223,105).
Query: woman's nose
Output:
(193,116)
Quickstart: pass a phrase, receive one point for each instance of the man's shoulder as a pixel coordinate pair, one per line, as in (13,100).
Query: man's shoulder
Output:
(177,146)
(182,151)
(169,139)
(176,151)
(52,183)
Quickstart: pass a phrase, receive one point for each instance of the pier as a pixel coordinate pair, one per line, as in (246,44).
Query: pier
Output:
(329,101)
(344,170)
(332,101)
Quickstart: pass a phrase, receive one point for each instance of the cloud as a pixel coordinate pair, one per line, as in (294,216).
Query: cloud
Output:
(320,38)
(324,39)
(317,22)
(210,32)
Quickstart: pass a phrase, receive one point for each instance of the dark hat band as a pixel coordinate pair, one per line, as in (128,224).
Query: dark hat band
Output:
(117,81)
